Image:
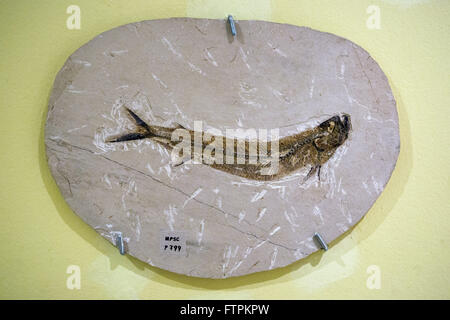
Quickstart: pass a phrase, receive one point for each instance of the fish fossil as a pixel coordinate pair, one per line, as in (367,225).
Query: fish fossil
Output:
(311,147)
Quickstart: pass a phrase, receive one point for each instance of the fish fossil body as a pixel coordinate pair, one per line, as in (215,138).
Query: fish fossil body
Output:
(312,147)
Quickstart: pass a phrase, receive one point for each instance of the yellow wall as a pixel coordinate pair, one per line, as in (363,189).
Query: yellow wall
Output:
(406,234)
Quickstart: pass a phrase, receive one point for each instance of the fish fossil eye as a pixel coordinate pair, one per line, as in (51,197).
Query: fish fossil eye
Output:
(331,126)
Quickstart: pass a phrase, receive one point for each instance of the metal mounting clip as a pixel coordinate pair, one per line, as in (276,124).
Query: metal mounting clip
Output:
(119,244)
(232,25)
(320,240)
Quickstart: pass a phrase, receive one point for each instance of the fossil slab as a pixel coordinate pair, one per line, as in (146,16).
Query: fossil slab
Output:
(190,218)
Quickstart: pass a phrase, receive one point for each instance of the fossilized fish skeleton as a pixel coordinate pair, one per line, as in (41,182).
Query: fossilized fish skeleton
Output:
(312,147)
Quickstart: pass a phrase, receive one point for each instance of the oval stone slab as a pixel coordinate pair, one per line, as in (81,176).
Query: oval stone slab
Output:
(177,71)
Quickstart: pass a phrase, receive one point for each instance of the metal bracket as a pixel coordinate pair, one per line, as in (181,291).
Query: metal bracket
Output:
(320,240)
(119,244)
(232,25)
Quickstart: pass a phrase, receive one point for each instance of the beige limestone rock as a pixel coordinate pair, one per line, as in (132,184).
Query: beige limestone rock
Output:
(181,70)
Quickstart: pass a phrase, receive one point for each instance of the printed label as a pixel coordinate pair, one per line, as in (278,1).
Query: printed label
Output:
(173,242)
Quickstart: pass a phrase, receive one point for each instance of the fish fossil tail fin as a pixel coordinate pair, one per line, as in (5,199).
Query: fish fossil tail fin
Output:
(128,137)
(139,122)
(143,131)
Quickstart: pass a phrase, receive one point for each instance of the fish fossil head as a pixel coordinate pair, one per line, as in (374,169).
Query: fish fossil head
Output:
(333,132)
